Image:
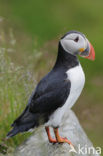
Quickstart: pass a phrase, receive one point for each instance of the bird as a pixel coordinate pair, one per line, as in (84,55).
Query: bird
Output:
(58,91)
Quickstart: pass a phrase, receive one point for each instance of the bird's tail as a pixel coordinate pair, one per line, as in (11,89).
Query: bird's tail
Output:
(23,123)
(19,129)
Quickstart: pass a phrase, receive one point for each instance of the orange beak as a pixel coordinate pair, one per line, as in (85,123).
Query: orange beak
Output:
(91,55)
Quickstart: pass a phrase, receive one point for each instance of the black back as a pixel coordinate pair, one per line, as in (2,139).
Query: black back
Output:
(50,94)
(53,90)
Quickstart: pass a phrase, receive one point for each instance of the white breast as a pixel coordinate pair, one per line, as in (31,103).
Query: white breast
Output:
(77,79)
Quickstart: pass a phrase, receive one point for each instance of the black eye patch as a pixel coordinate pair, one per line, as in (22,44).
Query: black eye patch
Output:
(76,39)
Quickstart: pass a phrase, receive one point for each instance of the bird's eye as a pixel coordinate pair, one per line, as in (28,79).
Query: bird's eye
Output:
(76,39)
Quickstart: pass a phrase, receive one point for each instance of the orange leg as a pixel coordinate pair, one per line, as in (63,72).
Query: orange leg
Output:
(49,136)
(60,139)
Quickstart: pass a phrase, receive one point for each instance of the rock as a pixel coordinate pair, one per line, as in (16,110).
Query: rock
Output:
(38,145)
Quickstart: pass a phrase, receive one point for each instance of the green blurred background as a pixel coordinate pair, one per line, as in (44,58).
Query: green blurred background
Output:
(29,34)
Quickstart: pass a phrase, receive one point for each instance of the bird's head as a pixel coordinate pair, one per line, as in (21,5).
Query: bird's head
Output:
(76,43)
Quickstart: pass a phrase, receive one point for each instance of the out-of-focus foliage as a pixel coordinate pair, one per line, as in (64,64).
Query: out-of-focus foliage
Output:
(45,20)
(16,85)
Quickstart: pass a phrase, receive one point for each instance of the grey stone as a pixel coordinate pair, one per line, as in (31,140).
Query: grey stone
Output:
(38,144)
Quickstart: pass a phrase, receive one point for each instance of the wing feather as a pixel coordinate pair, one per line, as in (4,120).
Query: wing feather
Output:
(50,94)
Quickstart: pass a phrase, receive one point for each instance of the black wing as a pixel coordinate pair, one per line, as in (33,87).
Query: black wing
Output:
(51,93)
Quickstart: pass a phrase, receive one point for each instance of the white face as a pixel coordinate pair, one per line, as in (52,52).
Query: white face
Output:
(74,43)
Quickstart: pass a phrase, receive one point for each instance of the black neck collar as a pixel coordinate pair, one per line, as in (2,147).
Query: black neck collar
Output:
(65,59)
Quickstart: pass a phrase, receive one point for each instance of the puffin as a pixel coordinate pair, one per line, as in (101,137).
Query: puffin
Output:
(58,91)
